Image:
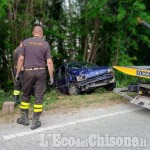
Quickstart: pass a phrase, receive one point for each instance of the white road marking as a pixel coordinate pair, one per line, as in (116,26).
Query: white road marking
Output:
(16,135)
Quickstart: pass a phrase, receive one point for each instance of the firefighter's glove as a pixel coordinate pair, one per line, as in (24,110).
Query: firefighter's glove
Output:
(51,81)
(17,77)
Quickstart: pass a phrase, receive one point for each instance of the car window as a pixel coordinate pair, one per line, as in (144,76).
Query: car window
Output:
(81,65)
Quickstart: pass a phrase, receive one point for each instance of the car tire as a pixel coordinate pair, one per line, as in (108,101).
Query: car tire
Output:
(73,89)
(110,86)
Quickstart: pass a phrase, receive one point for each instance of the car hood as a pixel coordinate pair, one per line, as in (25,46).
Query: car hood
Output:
(89,72)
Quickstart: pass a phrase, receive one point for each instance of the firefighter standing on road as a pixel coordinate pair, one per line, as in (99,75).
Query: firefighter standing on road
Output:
(35,56)
(18,83)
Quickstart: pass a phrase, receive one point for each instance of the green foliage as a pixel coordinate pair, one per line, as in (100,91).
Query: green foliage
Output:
(123,80)
(121,14)
(50,98)
(3,5)
(95,8)
(138,6)
(111,27)
(5,96)
(9,86)
(2,98)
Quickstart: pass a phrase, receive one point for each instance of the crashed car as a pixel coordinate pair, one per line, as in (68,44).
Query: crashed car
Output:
(75,77)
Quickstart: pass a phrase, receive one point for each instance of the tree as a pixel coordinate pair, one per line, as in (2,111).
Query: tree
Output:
(105,32)
(111,31)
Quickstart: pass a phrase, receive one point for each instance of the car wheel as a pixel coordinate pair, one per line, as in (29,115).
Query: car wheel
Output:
(110,86)
(73,89)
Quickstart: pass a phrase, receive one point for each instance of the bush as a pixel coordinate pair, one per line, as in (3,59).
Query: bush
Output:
(123,80)
(50,97)
(9,86)
(5,96)
(2,98)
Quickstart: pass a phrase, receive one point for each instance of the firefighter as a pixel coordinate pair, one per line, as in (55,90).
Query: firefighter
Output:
(18,83)
(35,56)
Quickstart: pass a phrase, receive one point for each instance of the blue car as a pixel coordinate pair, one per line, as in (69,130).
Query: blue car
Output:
(75,77)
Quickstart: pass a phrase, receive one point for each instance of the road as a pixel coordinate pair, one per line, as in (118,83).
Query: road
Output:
(123,126)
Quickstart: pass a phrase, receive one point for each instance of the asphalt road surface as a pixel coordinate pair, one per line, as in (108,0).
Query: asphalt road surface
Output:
(123,126)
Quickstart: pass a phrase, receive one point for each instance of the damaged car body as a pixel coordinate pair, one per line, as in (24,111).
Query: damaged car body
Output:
(75,77)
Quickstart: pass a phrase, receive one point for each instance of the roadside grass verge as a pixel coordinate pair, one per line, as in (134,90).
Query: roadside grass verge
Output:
(99,98)
(55,102)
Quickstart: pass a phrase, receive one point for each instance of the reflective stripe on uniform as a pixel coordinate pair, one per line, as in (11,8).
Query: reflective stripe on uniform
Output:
(24,105)
(38,108)
(16,92)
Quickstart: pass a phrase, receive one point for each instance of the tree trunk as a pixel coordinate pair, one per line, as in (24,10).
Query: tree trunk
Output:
(94,40)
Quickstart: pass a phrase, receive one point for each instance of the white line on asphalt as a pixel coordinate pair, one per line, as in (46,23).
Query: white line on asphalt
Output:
(12,136)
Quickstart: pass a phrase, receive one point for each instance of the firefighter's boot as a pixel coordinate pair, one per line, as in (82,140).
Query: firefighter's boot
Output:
(35,120)
(24,120)
(16,100)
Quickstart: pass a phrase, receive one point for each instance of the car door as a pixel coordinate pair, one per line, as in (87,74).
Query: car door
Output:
(62,81)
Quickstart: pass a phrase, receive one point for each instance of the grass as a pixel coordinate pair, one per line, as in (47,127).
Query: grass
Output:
(99,98)
(55,102)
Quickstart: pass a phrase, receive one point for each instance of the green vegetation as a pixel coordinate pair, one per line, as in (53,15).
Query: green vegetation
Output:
(67,103)
(105,32)
(2,98)
(5,96)
(55,102)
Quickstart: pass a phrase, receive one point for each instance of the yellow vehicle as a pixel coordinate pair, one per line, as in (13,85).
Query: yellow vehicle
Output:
(142,97)
(139,71)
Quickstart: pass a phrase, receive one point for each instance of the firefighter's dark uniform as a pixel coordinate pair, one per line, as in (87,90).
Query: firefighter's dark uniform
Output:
(36,52)
(18,84)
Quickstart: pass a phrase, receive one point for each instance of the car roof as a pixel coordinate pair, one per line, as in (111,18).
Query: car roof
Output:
(77,62)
